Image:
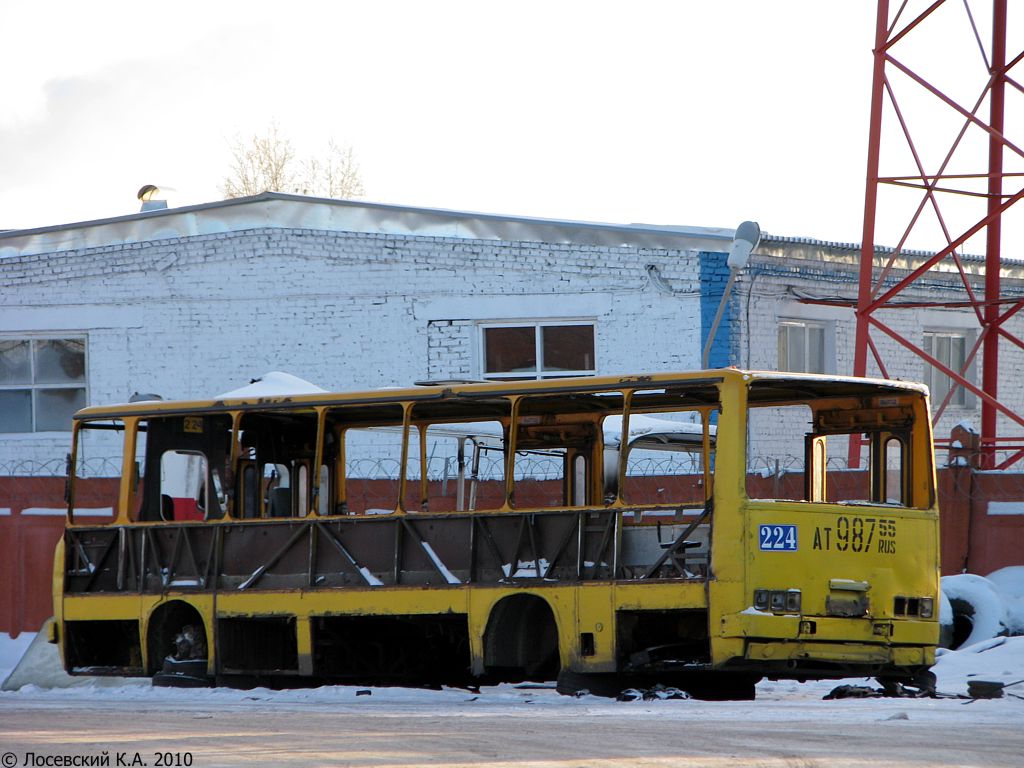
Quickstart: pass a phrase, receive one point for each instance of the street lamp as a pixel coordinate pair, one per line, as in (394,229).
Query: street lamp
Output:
(748,235)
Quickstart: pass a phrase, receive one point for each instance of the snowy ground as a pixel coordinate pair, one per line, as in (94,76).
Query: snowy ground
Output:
(788,725)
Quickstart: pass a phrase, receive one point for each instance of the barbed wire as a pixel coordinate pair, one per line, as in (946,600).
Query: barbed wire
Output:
(535,467)
(527,467)
(94,467)
(440,468)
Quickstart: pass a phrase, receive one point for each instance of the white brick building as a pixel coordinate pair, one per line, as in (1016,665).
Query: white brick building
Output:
(191,302)
(810,287)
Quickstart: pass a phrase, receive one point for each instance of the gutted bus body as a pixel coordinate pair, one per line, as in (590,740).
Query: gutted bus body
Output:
(607,531)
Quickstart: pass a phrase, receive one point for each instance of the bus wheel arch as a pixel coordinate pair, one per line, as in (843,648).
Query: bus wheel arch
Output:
(175,629)
(521,640)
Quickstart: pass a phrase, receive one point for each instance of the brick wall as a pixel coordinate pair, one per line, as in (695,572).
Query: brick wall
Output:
(189,317)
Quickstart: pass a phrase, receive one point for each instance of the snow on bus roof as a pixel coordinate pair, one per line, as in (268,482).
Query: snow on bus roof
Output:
(273,384)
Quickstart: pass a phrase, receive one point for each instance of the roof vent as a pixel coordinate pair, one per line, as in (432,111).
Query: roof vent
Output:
(146,194)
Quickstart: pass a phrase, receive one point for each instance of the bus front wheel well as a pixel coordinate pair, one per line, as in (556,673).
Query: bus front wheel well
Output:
(176,629)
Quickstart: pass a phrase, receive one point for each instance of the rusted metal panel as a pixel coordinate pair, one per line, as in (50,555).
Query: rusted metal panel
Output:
(316,553)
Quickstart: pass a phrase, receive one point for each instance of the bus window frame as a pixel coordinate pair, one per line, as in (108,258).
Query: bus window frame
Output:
(240,462)
(910,424)
(120,514)
(340,428)
(708,451)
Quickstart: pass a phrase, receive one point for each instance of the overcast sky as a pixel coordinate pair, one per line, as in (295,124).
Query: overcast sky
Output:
(688,113)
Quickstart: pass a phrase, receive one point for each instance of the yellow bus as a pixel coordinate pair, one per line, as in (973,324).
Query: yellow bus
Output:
(677,528)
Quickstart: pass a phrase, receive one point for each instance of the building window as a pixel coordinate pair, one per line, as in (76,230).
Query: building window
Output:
(950,349)
(538,350)
(802,347)
(42,383)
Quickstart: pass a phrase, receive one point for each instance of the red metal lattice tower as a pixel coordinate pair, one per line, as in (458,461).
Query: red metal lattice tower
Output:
(959,192)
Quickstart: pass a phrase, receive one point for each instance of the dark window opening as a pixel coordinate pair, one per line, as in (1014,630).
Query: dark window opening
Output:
(538,350)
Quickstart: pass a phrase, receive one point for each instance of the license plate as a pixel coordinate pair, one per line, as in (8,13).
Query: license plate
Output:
(777,538)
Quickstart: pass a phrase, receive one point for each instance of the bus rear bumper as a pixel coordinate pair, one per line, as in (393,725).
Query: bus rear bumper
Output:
(818,630)
(827,647)
(871,658)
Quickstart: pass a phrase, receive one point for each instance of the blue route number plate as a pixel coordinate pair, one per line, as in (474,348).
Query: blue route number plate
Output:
(777,538)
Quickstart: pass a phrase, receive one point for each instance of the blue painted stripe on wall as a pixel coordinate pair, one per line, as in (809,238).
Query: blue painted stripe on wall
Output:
(714,273)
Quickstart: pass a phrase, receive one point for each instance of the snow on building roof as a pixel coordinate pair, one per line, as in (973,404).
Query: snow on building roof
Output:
(285,211)
(277,210)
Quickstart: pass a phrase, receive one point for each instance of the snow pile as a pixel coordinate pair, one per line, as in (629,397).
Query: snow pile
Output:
(11,651)
(1009,584)
(999,659)
(977,605)
(31,662)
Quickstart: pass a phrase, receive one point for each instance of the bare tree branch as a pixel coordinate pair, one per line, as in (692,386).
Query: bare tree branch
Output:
(267,164)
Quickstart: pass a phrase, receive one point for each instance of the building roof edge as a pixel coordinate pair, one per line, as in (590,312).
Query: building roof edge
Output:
(274,209)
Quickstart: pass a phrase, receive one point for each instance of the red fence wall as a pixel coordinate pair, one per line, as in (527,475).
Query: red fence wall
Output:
(973,539)
(31,522)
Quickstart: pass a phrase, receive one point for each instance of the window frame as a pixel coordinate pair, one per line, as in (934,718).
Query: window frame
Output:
(538,373)
(827,346)
(962,398)
(32,386)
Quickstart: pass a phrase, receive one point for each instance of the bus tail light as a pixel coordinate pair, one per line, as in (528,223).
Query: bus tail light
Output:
(777,600)
(927,607)
(923,607)
(793,600)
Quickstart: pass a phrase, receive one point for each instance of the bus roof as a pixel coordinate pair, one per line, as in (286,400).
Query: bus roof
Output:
(305,398)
